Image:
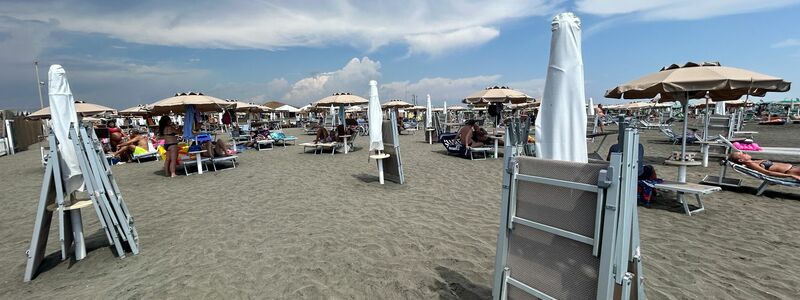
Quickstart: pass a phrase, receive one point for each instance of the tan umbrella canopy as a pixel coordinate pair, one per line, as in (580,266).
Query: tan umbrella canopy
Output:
(396,103)
(501,94)
(178,103)
(240,106)
(82,108)
(354,109)
(338,99)
(456,108)
(695,79)
(416,108)
(635,105)
(139,110)
(525,105)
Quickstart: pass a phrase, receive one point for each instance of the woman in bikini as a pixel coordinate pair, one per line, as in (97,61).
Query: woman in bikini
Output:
(169,132)
(767,167)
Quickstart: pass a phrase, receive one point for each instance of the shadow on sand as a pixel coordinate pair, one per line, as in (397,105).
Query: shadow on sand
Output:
(456,286)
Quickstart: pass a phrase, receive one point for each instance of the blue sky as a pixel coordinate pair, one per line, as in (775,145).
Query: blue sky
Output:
(125,54)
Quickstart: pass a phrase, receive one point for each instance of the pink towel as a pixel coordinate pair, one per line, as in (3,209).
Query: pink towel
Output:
(747,146)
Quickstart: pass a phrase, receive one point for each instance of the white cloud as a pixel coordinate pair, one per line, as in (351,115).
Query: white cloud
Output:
(354,77)
(438,43)
(280,24)
(787,43)
(678,9)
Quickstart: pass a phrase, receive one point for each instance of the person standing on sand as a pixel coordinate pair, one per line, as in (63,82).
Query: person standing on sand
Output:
(169,132)
(598,112)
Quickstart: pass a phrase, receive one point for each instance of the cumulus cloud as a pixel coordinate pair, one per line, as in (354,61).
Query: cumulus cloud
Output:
(354,77)
(281,24)
(678,9)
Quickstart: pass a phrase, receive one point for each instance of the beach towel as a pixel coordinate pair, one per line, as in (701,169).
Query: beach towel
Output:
(139,151)
(645,191)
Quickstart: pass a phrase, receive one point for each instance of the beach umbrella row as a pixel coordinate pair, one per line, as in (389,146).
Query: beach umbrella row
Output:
(81,108)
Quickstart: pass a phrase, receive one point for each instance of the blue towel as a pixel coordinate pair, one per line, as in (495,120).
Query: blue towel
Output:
(188,122)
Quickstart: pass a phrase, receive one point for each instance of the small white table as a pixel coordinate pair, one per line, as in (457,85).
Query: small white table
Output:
(380,157)
(496,139)
(199,159)
(344,137)
(682,166)
(430,135)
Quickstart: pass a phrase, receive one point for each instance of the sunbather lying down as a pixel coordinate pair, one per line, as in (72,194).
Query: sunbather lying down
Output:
(766,167)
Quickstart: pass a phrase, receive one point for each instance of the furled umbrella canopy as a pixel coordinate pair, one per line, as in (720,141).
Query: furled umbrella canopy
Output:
(375,118)
(178,103)
(81,108)
(428,113)
(501,94)
(590,107)
(64,115)
(561,125)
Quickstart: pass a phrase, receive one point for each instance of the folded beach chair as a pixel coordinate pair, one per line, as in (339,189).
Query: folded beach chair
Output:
(568,230)
(152,152)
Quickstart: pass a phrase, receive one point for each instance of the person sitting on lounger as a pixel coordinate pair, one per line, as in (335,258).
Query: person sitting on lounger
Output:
(766,167)
(341,131)
(467,135)
(481,135)
(215,149)
(136,145)
(324,136)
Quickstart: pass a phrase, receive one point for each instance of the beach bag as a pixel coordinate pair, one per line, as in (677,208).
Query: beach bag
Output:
(645,192)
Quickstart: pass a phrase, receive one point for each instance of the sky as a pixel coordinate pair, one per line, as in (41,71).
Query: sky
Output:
(124,53)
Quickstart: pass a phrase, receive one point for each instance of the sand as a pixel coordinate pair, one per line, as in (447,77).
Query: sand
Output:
(291,225)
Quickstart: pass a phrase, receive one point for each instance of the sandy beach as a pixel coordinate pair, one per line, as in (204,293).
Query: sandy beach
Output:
(293,225)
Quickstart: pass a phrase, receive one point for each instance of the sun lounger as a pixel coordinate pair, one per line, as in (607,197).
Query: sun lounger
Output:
(764,150)
(454,146)
(232,158)
(676,138)
(265,144)
(320,147)
(649,125)
(688,188)
(151,153)
(279,137)
(186,161)
(766,180)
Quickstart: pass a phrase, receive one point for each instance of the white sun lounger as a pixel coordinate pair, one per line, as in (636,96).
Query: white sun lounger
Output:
(152,152)
(766,180)
(764,150)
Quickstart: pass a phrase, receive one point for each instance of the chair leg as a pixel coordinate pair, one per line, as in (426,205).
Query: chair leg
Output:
(762,188)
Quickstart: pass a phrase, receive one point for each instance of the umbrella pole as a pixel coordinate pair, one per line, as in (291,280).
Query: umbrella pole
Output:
(682,168)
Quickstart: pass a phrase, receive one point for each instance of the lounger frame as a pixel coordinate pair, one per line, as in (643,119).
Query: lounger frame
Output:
(611,246)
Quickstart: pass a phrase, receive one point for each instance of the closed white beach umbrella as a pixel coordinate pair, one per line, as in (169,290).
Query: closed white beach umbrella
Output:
(719,108)
(428,113)
(375,118)
(62,113)
(590,109)
(561,125)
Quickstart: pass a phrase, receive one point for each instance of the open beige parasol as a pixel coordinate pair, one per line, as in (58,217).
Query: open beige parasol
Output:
(695,79)
(501,94)
(395,104)
(339,99)
(139,110)
(178,103)
(698,80)
(82,108)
